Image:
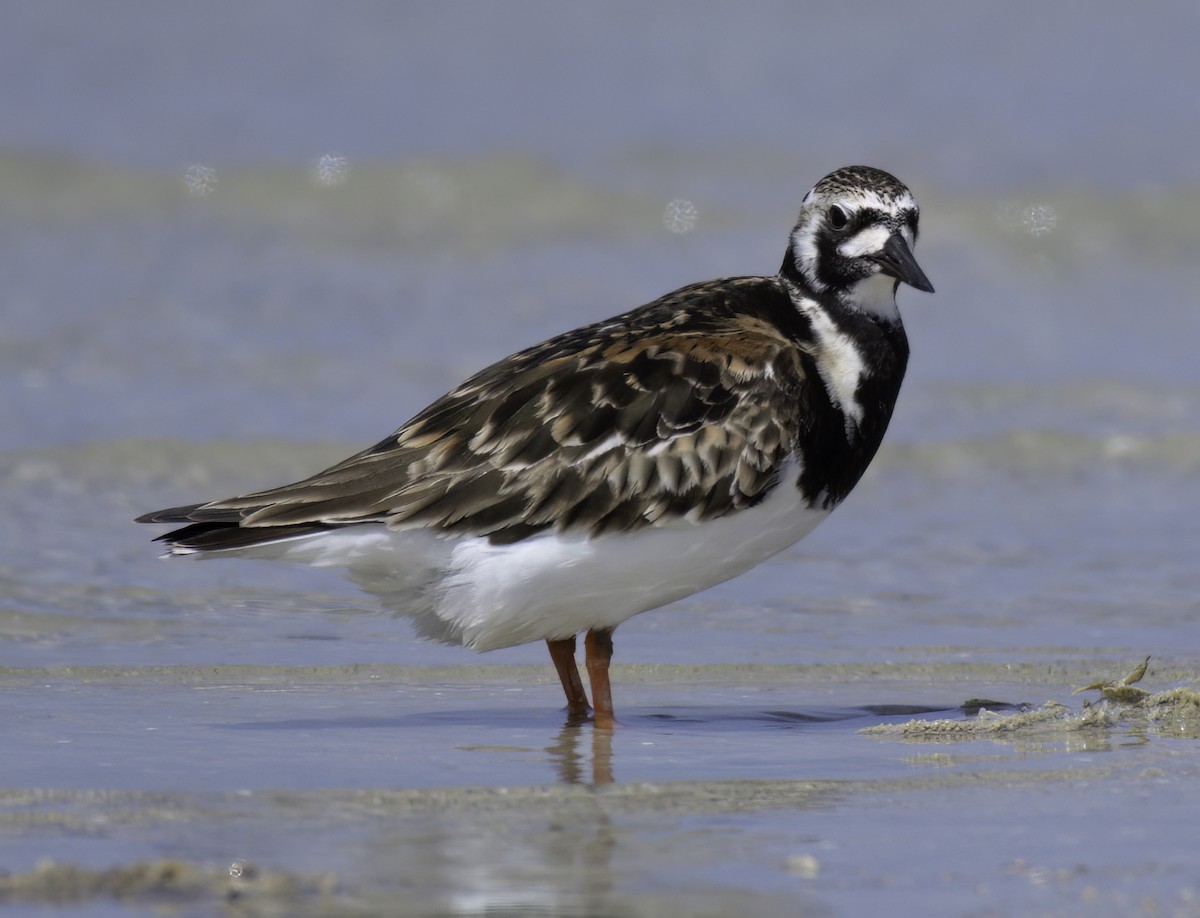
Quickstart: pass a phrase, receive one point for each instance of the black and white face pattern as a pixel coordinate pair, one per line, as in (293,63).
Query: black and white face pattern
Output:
(844,237)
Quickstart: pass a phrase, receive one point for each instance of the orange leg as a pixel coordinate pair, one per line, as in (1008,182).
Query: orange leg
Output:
(599,647)
(562,652)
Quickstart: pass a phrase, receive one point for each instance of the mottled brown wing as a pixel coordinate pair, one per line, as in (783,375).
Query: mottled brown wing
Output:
(608,429)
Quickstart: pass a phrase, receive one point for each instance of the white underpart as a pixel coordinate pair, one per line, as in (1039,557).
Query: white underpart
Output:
(484,596)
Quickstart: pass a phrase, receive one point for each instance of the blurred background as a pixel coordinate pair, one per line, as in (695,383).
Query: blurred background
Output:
(240,240)
(305,220)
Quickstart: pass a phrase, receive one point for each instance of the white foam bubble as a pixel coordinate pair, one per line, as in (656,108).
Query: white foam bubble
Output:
(200,179)
(332,169)
(680,216)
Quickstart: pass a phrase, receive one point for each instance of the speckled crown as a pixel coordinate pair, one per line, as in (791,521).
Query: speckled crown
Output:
(850,179)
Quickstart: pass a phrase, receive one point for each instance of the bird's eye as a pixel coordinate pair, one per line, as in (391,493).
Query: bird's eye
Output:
(838,218)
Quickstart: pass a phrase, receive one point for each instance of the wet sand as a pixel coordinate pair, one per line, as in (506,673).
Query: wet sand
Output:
(458,790)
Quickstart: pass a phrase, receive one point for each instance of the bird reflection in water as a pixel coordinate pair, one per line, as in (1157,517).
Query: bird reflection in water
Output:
(571,761)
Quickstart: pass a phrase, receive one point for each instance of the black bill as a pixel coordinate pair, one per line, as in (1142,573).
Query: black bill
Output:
(897,260)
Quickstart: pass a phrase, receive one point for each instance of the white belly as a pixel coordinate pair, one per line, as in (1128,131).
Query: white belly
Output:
(468,591)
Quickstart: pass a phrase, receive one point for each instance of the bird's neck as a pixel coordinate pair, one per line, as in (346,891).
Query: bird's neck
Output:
(861,355)
(874,296)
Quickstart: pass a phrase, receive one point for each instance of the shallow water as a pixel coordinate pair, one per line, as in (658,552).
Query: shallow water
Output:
(171,334)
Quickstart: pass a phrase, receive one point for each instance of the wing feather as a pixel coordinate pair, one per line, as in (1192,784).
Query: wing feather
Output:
(614,427)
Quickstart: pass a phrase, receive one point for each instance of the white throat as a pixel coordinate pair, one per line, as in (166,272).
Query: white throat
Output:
(875,295)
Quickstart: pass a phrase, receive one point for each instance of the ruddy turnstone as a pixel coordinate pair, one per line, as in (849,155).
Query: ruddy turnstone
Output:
(623,465)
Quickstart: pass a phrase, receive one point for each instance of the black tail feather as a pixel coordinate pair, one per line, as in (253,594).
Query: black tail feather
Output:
(220,530)
(226,536)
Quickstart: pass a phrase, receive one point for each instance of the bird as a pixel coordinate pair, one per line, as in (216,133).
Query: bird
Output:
(620,466)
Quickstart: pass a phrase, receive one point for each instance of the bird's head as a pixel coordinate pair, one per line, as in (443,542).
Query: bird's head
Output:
(854,240)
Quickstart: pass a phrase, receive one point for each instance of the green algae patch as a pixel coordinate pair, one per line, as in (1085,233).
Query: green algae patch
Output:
(165,881)
(1172,712)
